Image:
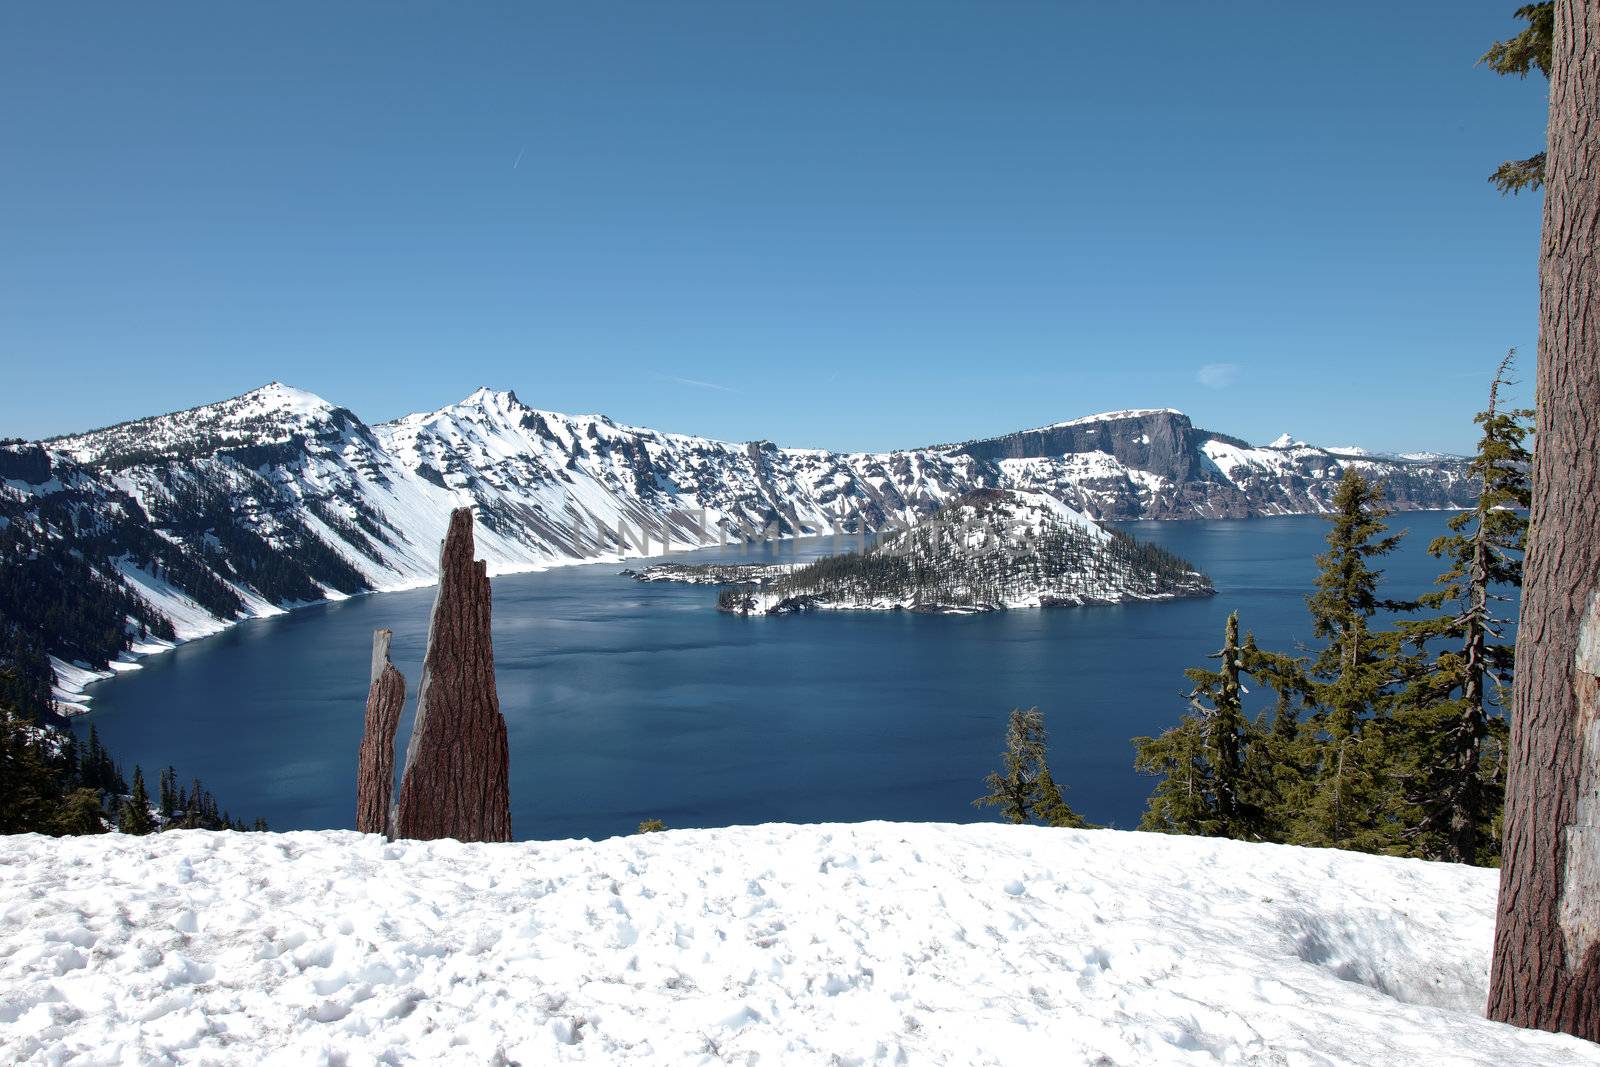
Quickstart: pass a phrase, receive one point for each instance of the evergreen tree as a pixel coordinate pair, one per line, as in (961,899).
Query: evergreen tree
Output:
(169,792)
(80,814)
(29,790)
(1053,809)
(1214,779)
(1450,741)
(136,810)
(1352,682)
(1025,790)
(1527,51)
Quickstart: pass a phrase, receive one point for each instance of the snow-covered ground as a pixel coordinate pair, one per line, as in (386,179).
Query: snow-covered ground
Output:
(867,943)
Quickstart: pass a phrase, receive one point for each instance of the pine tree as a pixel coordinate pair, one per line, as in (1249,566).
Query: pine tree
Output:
(79,814)
(1527,51)
(169,792)
(195,811)
(1026,790)
(1213,782)
(29,791)
(136,810)
(1180,803)
(1451,743)
(1053,809)
(1352,681)
(1015,790)
(1545,971)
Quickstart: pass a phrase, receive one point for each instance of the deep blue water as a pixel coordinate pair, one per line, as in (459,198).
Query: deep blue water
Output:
(627,700)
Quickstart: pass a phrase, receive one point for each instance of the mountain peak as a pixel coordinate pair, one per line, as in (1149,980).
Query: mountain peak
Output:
(271,413)
(276,396)
(484,396)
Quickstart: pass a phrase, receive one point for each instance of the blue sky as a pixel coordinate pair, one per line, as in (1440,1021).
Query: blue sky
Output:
(830,224)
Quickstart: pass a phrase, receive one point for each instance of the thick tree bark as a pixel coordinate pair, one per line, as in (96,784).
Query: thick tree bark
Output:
(386,697)
(1546,969)
(456,770)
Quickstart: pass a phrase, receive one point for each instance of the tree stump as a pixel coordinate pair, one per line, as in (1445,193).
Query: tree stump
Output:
(457,767)
(386,698)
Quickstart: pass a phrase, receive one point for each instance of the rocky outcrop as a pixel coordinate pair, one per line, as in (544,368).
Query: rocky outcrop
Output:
(24,463)
(386,698)
(1161,442)
(456,779)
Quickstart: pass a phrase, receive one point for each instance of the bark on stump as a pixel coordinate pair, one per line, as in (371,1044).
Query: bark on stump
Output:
(457,768)
(386,698)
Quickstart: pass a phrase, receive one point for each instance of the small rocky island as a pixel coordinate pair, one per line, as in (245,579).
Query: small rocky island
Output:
(989,550)
(710,573)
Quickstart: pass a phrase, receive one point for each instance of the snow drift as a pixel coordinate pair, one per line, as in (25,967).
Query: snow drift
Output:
(868,943)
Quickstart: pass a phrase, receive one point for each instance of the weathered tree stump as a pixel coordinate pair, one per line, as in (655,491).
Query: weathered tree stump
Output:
(386,698)
(456,780)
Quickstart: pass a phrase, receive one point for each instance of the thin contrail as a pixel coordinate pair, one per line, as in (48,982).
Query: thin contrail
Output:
(700,384)
(518,163)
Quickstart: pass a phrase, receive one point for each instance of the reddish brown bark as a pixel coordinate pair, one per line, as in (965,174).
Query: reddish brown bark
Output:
(386,697)
(1546,969)
(456,771)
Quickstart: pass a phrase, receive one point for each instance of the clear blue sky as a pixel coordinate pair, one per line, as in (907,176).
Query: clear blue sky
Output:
(853,225)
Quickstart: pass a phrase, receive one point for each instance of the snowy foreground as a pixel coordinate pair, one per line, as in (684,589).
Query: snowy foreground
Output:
(876,942)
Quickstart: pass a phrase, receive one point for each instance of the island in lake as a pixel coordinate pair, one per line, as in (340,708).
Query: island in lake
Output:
(989,550)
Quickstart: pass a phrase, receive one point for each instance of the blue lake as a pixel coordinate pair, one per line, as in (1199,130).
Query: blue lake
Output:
(626,700)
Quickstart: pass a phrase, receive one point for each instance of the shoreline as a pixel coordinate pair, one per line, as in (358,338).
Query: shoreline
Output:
(71,695)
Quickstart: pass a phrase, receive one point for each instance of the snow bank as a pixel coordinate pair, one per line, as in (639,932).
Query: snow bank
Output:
(876,942)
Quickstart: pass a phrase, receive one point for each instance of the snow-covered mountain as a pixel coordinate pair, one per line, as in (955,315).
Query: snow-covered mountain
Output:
(989,550)
(869,943)
(278,497)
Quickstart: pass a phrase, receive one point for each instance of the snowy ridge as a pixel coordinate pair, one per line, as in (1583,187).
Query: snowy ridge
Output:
(347,508)
(869,943)
(271,414)
(1115,416)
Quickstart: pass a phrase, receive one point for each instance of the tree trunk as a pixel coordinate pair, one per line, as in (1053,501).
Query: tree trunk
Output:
(456,770)
(1546,969)
(386,697)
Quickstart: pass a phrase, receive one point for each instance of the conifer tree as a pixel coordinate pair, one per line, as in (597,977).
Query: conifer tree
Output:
(1528,51)
(1213,781)
(136,810)
(1053,808)
(80,814)
(1025,790)
(1351,681)
(1180,802)
(169,791)
(28,790)
(1545,971)
(1450,741)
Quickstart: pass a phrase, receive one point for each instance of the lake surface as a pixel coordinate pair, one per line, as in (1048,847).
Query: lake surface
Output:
(627,700)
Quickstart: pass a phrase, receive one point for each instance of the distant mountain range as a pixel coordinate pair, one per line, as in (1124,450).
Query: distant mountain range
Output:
(255,504)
